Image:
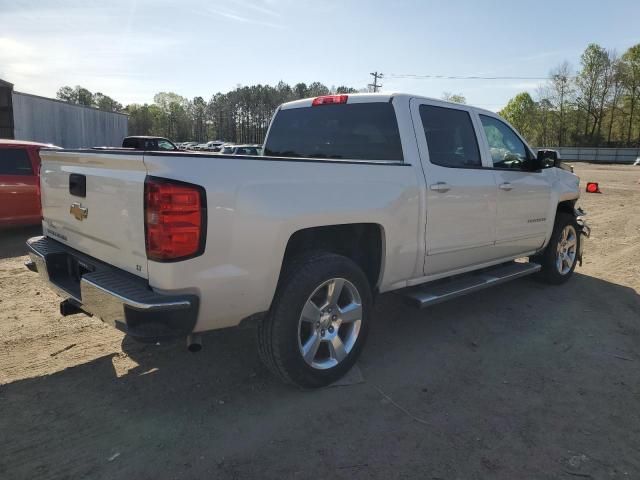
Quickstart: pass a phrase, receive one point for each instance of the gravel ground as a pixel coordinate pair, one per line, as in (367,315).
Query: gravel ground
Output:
(520,381)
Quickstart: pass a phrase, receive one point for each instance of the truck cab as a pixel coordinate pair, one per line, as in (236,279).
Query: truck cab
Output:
(488,197)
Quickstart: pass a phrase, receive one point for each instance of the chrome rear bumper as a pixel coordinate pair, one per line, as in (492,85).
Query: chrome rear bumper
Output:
(117,297)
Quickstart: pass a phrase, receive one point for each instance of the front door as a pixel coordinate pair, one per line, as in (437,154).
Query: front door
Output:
(523,195)
(461,193)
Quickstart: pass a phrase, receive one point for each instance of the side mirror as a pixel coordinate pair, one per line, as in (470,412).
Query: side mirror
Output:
(548,158)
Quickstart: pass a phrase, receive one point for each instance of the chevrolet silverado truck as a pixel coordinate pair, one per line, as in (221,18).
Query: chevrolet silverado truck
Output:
(355,195)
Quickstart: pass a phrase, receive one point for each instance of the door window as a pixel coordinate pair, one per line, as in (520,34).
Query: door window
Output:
(165,145)
(15,161)
(451,139)
(507,150)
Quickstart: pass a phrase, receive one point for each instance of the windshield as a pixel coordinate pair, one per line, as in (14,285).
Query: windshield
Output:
(165,145)
(360,131)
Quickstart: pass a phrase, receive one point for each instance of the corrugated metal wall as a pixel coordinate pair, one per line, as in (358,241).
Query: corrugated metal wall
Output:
(6,110)
(592,154)
(46,120)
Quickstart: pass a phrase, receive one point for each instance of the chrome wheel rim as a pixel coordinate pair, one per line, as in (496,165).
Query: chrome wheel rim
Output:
(566,250)
(330,323)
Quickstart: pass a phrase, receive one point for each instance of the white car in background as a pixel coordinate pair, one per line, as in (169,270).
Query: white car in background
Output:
(213,146)
(189,145)
(241,150)
(226,149)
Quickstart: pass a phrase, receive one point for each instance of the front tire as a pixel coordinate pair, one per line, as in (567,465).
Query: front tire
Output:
(560,257)
(318,321)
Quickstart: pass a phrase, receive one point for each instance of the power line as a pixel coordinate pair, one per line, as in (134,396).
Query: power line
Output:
(461,77)
(375,85)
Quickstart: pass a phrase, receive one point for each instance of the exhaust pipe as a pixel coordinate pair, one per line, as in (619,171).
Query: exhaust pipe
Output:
(194,342)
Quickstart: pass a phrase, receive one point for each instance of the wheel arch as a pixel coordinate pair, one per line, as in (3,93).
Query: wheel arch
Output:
(364,243)
(566,206)
(557,205)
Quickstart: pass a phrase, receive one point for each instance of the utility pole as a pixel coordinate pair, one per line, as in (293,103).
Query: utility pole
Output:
(561,81)
(375,85)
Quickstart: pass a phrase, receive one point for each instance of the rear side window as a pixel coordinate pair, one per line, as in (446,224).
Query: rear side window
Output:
(15,161)
(359,131)
(451,139)
(130,143)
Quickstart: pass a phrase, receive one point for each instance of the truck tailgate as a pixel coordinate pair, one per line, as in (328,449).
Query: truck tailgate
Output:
(94,202)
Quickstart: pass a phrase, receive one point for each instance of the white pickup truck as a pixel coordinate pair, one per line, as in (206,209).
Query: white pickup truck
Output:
(355,195)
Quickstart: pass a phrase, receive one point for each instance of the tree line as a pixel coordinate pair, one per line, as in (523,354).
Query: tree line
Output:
(598,105)
(82,96)
(240,116)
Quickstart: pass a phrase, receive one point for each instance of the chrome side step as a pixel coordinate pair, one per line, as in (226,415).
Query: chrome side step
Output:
(435,292)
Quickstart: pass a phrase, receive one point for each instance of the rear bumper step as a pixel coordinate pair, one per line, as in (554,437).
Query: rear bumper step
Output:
(117,297)
(432,293)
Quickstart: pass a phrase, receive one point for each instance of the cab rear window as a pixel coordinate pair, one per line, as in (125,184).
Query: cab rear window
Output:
(359,131)
(15,161)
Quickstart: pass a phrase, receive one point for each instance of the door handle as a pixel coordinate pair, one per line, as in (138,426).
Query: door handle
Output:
(506,186)
(440,187)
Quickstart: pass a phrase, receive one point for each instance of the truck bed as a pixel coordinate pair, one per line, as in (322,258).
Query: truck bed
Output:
(254,205)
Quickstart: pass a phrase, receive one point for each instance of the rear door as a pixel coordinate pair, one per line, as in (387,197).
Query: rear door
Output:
(94,202)
(523,195)
(19,202)
(461,193)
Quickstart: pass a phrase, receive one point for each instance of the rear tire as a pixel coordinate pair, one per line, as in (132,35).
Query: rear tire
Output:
(560,257)
(318,321)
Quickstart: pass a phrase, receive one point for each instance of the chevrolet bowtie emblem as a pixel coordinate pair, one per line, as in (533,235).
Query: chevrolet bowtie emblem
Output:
(78,211)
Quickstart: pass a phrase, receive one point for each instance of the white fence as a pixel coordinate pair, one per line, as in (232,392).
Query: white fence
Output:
(599,155)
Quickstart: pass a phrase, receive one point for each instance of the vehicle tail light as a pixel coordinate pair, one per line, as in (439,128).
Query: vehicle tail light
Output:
(329,100)
(175,219)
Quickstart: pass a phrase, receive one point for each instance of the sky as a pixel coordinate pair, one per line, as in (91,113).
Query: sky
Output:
(131,50)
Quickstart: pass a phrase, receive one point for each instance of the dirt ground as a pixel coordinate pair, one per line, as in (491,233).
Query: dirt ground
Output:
(520,381)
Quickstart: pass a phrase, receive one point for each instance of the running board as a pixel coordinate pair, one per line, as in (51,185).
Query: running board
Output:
(435,292)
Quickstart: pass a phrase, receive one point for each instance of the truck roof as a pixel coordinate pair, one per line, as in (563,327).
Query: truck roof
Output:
(25,143)
(377,97)
(146,137)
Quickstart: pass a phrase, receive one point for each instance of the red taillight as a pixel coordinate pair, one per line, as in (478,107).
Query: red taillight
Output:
(175,219)
(329,100)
